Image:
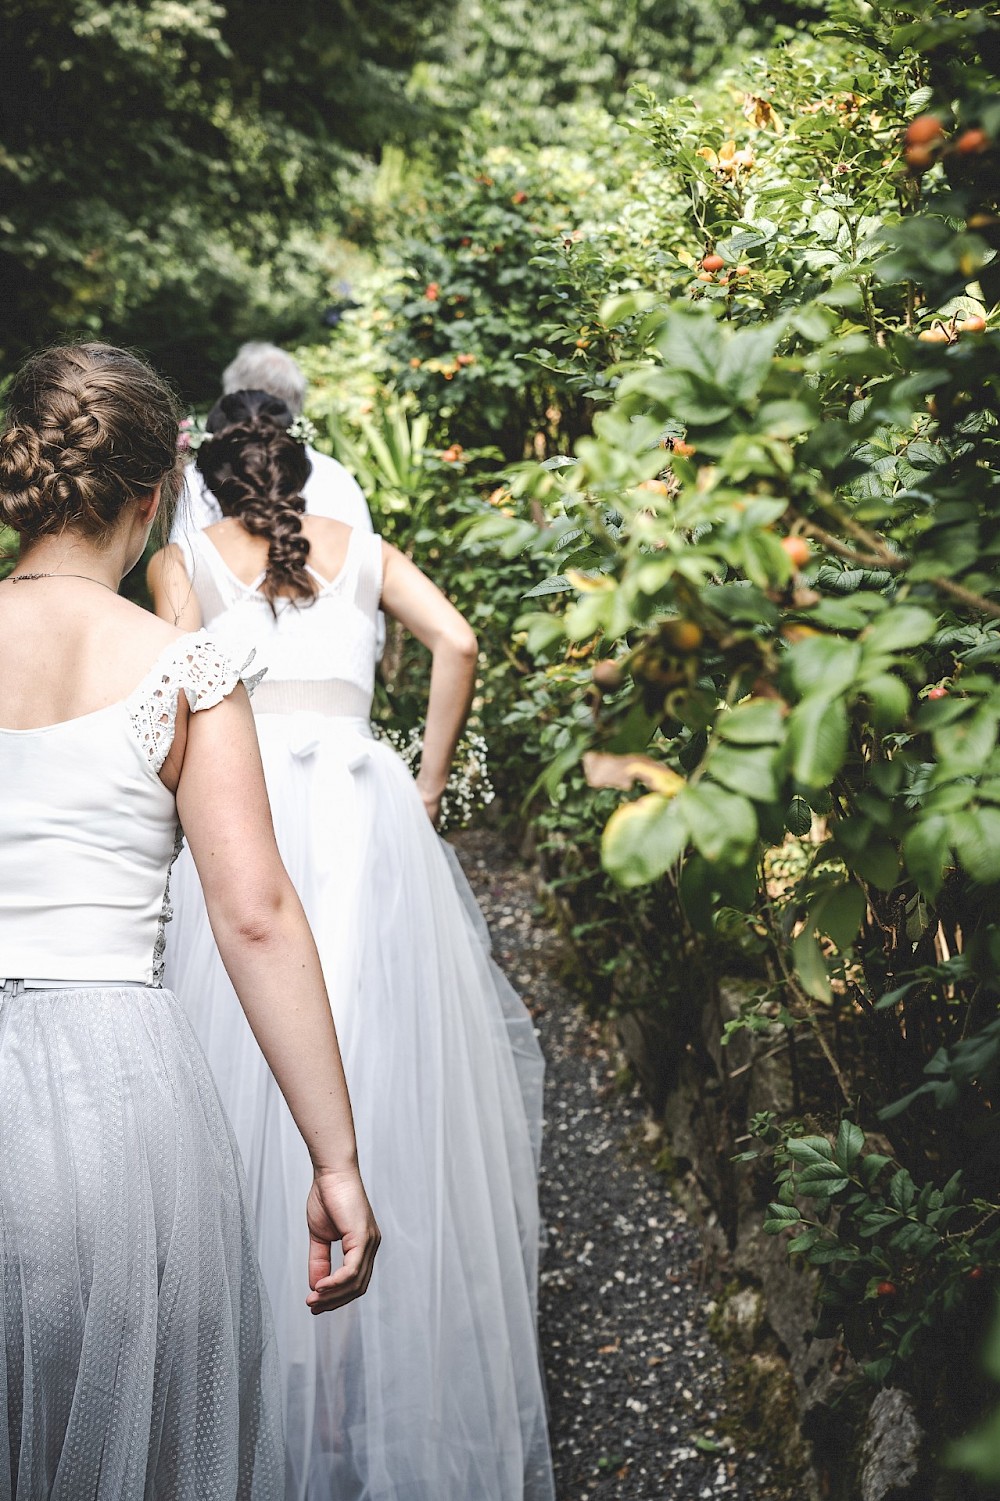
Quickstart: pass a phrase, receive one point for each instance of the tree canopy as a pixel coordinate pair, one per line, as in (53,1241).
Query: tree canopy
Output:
(161,165)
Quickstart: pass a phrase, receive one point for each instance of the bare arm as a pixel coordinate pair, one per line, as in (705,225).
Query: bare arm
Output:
(419,605)
(270,956)
(173,593)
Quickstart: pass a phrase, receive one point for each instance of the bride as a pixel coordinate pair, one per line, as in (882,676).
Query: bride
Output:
(430,1390)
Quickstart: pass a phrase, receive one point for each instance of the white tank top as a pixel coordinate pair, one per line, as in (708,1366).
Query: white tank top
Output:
(88,831)
(318,655)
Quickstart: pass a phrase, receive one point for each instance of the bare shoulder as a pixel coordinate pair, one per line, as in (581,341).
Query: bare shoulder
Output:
(328,543)
(397,563)
(165,563)
(136,635)
(326,529)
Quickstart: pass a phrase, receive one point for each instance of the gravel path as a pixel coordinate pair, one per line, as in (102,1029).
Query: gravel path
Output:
(636,1383)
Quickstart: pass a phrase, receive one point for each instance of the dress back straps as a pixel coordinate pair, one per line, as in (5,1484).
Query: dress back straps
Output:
(218,589)
(368,580)
(214,587)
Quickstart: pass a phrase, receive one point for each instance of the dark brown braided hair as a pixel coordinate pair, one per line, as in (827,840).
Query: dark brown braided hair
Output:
(256,471)
(88,429)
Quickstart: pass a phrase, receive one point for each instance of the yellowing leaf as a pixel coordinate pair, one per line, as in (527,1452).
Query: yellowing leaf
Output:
(588,583)
(761,114)
(602,769)
(643,839)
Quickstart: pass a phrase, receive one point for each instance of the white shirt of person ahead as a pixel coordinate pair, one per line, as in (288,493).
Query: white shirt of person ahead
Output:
(329,491)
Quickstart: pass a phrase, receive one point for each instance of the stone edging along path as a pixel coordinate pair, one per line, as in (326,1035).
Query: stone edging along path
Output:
(637,1385)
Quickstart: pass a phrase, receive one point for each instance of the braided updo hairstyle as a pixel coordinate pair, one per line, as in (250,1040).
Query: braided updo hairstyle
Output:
(88,429)
(256,471)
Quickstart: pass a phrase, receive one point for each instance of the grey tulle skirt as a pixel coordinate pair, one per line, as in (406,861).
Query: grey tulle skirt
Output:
(137,1356)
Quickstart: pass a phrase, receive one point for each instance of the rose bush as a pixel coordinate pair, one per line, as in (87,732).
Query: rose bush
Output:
(778,544)
(739,596)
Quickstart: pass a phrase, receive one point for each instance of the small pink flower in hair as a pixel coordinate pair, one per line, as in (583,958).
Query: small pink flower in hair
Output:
(190,436)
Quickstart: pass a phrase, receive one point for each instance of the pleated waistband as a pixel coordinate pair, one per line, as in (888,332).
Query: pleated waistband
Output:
(333,698)
(358,724)
(12,987)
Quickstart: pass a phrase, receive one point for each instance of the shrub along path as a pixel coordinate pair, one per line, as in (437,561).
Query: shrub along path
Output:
(636,1383)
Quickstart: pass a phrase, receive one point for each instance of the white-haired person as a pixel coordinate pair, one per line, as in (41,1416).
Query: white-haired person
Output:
(330,490)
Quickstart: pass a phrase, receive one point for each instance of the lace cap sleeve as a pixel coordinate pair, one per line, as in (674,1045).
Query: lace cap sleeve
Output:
(208,675)
(192,664)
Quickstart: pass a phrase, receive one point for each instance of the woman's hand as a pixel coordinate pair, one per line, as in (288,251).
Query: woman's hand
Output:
(338,1209)
(431,801)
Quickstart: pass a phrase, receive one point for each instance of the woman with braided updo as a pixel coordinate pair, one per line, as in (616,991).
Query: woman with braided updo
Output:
(428,1390)
(137,1353)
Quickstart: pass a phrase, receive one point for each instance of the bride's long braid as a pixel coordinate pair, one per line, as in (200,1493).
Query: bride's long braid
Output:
(256,471)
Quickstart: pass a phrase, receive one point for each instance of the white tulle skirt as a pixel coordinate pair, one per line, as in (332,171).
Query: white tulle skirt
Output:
(137,1358)
(429,1388)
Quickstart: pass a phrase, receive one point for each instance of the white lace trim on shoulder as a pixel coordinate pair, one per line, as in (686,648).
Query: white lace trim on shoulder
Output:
(206,675)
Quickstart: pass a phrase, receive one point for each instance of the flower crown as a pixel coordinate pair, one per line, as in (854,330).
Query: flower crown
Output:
(191,435)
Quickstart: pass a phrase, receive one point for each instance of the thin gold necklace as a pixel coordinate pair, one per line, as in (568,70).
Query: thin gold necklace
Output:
(20,578)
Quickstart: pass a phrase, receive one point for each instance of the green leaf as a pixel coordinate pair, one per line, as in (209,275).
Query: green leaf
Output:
(980,1450)
(976,837)
(696,890)
(691,342)
(926,850)
(557,584)
(798,817)
(746,360)
(901,1191)
(816,1185)
(871,1166)
(890,699)
(810,966)
(748,770)
(877,1221)
(966,744)
(543,630)
(779,1216)
(785,419)
(722,824)
(643,839)
(808,1149)
(867,851)
(757,722)
(817,740)
(838,913)
(812,322)
(818,1172)
(762,558)
(623,306)
(735,246)
(898,629)
(850,1141)
(826,664)
(823,1255)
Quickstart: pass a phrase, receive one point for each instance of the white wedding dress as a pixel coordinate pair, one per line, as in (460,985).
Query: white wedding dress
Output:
(137,1358)
(429,1388)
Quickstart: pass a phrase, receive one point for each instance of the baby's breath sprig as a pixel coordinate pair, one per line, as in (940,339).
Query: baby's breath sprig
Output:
(469,787)
(303,430)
